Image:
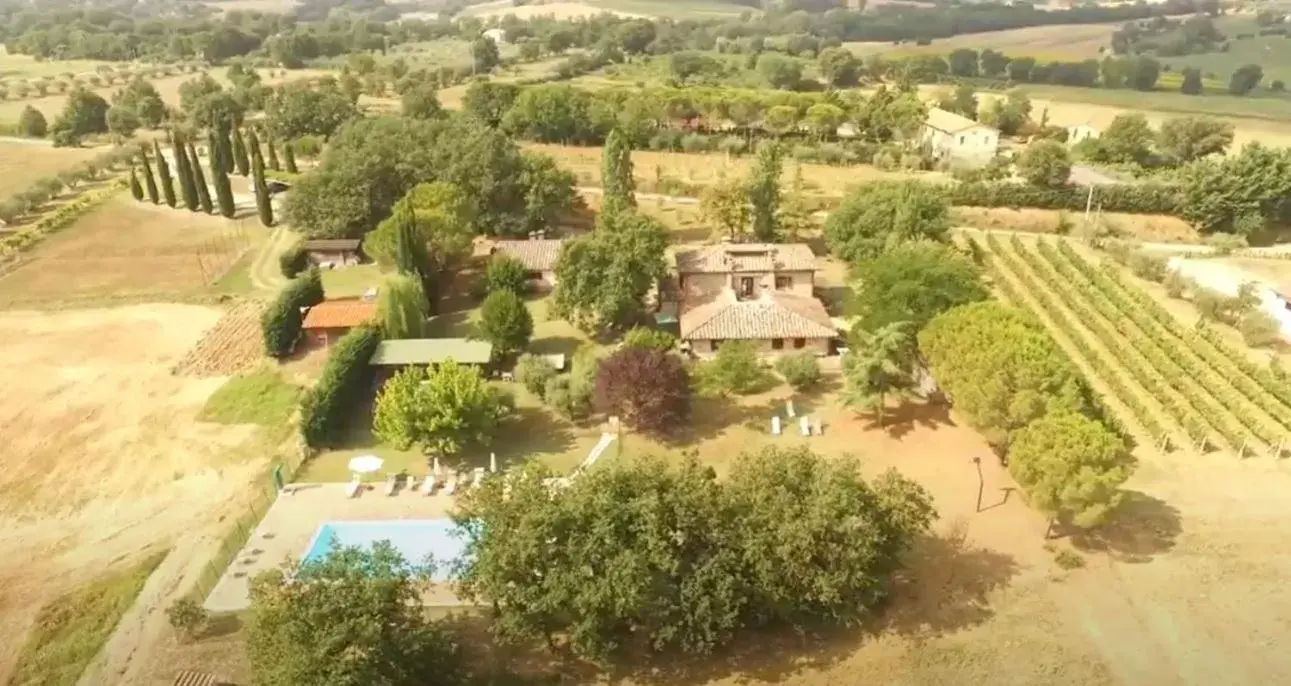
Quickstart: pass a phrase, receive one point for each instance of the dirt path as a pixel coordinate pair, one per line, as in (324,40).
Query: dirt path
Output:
(266,277)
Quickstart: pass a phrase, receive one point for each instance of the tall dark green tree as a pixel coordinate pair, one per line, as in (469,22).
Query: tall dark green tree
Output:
(224,148)
(135,189)
(272,155)
(289,158)
(616,173)
(184,168)
(149,182)
(764,194)
(240,158)
(410,250)
(199,180)
(163,171)
(263,203)
(253,148)
(220,178)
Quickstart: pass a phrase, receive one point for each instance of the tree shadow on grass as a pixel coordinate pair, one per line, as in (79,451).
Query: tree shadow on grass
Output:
(555,345)
(530,430)
(904,418)
(451,325)
(1141,526)
(221,624)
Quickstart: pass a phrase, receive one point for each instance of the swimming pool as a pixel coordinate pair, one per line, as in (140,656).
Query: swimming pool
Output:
(413,538)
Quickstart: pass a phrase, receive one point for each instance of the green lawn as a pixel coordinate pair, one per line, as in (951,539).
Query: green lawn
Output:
(70,631)
(259,397)
(1272,53)
(353,281)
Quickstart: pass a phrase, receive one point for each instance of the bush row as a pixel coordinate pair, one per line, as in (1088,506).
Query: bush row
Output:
(41,191)
(280,323)
(1146,339)
(60,218)
(323,408)
(294,260)
(1142,413)
(1131,198)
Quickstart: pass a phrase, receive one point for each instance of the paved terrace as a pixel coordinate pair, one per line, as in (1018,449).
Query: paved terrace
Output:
(293,519)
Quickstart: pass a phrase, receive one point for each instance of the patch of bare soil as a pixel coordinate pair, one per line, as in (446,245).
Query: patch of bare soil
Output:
(232,345)
(103,459)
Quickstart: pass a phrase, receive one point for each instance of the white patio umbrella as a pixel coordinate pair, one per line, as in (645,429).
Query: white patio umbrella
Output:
(366,464)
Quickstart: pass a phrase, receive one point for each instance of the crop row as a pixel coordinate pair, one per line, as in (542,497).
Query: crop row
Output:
(1145,415)
(1142,364)
(1151,342)
(1265,388)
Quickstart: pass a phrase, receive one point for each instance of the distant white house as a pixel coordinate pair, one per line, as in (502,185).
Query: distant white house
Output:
(1081,132)
(498,36)
(951,136)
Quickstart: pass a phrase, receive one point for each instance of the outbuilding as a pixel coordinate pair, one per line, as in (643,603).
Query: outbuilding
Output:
(336,252)
(538,255)
(329,320)
(952,136)
(391,356)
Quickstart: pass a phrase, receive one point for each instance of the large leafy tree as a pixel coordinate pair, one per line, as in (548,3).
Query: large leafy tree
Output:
(1245,78)
(736,368)
(32,123)
(878,365)
(1237,192)
(1000,368)
(914,282)
(142,97)
(422,102)
(84,113)
(442,225)
(1045,163)
(354,617)
(1071,468)
(764,194)
(602,278)
(879,216)
(820,544)
(484,55)
(549,193)
(840,67)
(648,389)
(726,206)
(1184,139)
(303,110)
(441,409)
(1128,139)
(489,101)
(505,322)
(616,173)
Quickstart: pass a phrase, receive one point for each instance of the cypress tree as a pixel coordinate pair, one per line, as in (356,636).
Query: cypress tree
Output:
(764,194)
(185,170)
(135,189)
(199,179)
(224,150)
(163,170)
(289,157)
(253,147)
(273,154)
(405,255)
(262,190)
(148,180)
(616,173)
(240,153)
(220,179)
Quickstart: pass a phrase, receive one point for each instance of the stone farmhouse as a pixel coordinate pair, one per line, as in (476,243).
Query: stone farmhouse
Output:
(759,292)
(538,255)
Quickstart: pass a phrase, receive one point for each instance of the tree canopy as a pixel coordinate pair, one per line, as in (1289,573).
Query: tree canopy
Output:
(602,278)
(878,216)
(648,389)
(1071,468)
(1184,139)
(1045,163)
(302,110)
(505,322)
(913,282)
(441,409)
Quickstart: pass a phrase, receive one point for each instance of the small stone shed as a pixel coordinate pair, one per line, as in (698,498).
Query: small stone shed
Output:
(338,252)
(391,356)
(329,320)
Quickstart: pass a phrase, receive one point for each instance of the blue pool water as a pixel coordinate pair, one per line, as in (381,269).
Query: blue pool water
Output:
(413,538)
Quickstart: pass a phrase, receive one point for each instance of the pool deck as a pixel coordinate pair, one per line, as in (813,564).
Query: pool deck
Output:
(293,519)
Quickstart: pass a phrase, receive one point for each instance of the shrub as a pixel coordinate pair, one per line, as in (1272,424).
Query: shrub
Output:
(560,395)
(187,617)
(324,408)
(505,273)
(32,123)
(1259,329)
(293,260)
(533,372)
(1068,559)
(735,369)
(1175,284)
(1148,266)
(1226,243)
(649,339)
(1211,304)
(800,370)
(695,143)
(280,323)
(648,389)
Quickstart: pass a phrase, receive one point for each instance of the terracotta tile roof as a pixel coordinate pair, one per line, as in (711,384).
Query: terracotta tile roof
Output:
(774,315)
(949,122)
(191,678)
(539,254)
(333,244)
(747,257)
(340,314)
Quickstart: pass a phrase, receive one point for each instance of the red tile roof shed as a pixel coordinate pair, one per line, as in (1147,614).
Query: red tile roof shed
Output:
(340,314)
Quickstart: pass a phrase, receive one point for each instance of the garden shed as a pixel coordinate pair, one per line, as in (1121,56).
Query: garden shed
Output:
(391,356)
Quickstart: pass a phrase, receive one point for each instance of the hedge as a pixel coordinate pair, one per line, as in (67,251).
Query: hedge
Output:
(323,408)
(1132,198)
(280,323)
(294,259)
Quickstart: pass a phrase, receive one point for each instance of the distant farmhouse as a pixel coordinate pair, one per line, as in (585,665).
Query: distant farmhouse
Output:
(758,292)
(538,256)
(951,136)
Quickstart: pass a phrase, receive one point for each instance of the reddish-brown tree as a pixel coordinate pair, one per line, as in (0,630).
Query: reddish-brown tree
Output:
(649,390)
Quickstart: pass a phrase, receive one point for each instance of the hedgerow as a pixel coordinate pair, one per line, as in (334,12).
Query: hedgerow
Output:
(324,407)
(280,323)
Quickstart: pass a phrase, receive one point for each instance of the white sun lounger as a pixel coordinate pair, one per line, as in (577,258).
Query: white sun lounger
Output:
(452,484)
(353,489)
(412,484)
(479,477)
(391,484)
(428,486)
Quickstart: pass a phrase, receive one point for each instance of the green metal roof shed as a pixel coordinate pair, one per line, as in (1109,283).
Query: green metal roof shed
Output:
(431,351)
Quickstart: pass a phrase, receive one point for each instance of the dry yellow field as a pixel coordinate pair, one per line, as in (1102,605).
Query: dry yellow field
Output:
(1077,42)
(560,10)
(266,6)
(22,162)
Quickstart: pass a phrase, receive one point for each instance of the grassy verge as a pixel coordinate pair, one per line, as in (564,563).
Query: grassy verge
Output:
(259,397)
(70,631)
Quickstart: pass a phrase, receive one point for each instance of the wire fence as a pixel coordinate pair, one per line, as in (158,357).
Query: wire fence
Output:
(240,529)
